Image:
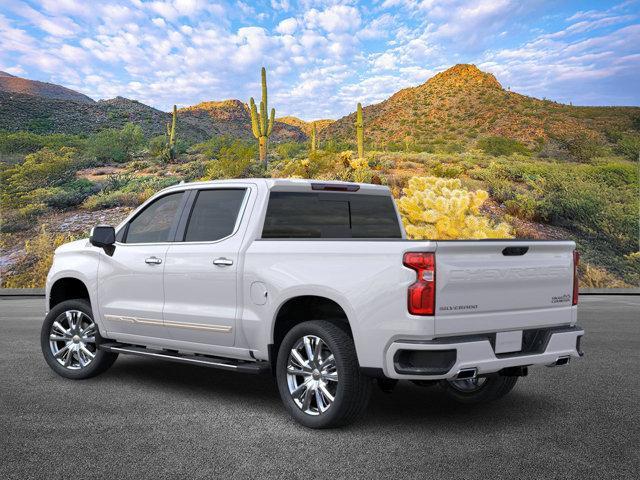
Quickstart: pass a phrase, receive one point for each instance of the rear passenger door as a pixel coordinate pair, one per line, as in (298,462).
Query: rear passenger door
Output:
(200,276)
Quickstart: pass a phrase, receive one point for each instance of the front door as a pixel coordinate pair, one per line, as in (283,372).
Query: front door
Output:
(131,281)
(201,270)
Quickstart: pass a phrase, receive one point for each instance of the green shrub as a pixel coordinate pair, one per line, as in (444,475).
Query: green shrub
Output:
(191,171)
(582,146)
(523,206)
(232,161)
(40,125)
(116,145)
(598,201)
(70,194)
(28,142)
(452,147)
(157,145)
(447,171)
(212,147)
(44,169)
(115,199)
(629,146)
(289,150)
(23,218)
(498,146)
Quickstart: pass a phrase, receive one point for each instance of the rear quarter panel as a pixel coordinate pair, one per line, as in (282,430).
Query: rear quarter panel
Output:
(366,278)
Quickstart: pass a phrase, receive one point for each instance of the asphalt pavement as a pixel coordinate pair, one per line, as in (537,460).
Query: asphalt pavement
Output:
(152,419)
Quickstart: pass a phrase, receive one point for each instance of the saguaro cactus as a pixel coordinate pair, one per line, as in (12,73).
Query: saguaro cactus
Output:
(360,132)
(260,124)
(171,136)
(314,138)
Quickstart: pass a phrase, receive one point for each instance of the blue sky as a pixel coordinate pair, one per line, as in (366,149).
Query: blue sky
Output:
(322,56)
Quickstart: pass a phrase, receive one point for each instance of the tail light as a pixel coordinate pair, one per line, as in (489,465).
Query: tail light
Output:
(576,261)
(421,296)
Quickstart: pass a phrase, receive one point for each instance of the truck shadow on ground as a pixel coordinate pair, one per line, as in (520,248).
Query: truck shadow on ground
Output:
(408,404)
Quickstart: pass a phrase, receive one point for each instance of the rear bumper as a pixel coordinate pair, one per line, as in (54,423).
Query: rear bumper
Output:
(443,358)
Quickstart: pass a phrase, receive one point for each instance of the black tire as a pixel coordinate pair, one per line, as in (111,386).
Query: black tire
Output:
(353,389)
(101,361)
(492,388)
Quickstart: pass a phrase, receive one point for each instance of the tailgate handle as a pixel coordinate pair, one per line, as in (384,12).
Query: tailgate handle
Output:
(514,251)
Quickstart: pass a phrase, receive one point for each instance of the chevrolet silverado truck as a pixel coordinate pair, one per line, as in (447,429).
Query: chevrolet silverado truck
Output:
(316,283)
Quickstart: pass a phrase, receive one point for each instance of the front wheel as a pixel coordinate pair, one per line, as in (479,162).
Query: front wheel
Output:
(319,377)
(479,389)
(68,341)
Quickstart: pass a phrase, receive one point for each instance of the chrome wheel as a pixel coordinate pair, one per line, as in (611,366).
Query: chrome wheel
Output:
(312,375)
(468,385)
(72,339)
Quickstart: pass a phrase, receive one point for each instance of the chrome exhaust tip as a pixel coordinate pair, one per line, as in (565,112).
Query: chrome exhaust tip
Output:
(562,360)
(467,374)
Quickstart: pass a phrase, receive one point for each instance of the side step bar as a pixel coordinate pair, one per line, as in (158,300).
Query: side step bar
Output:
(191,359)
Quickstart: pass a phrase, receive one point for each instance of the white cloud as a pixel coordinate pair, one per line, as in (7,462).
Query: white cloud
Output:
(189,7)
(335,19)
(164,9)
(14,39)
(76,8)
(56,26)
(338,51)
(386,61)
(15,70)
(550,64)
(287,26)
(73,55)
(378,27)
(280,5)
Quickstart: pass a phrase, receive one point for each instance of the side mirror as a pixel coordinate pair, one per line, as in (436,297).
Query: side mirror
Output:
(103,236)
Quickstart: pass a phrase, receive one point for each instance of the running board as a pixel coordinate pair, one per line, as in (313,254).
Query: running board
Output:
(191,359)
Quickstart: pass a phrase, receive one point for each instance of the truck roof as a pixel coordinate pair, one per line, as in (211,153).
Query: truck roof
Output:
(295,184)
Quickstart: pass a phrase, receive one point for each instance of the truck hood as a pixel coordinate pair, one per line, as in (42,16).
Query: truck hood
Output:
(76,246)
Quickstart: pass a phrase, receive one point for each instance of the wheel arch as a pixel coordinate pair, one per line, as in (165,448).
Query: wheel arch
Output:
(67,288)
(302,308)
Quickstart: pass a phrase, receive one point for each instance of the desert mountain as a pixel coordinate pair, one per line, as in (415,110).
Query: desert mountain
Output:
(305,126)
(232,117)
(463,103)
(43,110)
(12,84)
(458,105)
(20,111)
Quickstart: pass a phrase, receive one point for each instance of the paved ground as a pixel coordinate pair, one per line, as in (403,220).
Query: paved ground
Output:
(151,419)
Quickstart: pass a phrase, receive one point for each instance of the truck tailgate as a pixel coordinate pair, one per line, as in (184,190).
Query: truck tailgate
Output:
(484,286)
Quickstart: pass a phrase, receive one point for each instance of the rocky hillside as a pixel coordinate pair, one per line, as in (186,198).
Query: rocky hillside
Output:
(12,84)
(464,103)
(305,126)
(232,118)
(20,111)
(46,108)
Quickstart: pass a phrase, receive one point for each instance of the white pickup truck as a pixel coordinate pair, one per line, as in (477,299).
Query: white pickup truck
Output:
(316,283)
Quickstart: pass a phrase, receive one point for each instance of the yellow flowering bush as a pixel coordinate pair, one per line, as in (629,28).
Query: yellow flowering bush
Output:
(441,209)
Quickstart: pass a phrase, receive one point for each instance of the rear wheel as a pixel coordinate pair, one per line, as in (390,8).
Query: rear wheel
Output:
(479,389)
(319,377)
(68,341)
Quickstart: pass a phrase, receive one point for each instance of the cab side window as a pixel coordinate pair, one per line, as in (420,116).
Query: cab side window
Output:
(214,214)
(154,223)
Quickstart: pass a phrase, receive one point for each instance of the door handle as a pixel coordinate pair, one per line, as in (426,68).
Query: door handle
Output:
(223,262)
(153,261)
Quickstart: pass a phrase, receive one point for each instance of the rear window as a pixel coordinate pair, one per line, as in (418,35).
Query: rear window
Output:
(330,215)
